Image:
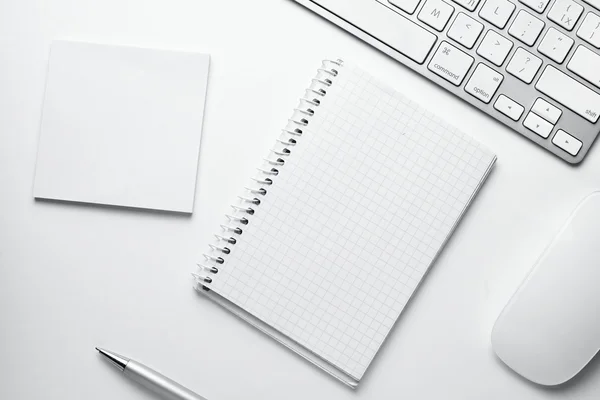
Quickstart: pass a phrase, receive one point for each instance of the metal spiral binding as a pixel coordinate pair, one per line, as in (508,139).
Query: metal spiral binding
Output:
(291,136)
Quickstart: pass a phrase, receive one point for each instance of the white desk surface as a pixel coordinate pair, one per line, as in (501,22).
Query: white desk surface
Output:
(75,276)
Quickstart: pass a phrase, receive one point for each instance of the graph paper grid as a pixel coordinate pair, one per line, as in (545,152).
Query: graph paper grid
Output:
(353,221)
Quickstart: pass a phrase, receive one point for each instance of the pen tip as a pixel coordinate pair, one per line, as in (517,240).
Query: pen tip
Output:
(118,360)
(97,349)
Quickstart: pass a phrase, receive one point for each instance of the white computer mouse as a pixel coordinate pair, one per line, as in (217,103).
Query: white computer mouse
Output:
(550,329)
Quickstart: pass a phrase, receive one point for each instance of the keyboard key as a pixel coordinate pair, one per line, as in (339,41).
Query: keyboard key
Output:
(497,12)
(567,142)
(590,30)
(450,63)
(586,64)
(536,5)
(465,30)
(483,83)
(555,45)
(524,65)
(436,14)
(595,3)
(468,4)
(526,28)
(509,107)
(569,93)
(494,48)
(408,6)
(547,111)
(566,13)
(538,125)
(385,25)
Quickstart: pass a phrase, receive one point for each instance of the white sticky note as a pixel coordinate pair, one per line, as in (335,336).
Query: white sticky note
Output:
(121,126)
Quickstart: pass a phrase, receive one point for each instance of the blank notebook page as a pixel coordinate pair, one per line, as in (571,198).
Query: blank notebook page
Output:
(353,221)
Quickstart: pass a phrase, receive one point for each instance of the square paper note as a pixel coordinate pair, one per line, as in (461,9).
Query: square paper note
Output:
(121,126)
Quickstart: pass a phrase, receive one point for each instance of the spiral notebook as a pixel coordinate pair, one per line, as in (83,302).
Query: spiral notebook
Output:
(327,243)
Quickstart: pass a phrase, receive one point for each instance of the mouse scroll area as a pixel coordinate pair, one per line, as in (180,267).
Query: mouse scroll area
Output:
(550,329)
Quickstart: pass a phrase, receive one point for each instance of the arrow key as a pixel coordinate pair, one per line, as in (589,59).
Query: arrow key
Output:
(509,107)
(567,142)
(465,30)
(547,111)
(538,125)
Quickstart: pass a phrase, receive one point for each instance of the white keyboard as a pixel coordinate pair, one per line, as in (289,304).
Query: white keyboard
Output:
(534,65)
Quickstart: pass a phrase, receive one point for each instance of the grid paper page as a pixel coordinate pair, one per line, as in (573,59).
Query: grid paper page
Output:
(353,221)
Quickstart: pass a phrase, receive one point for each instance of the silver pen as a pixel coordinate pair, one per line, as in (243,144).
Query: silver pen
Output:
(149,378)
